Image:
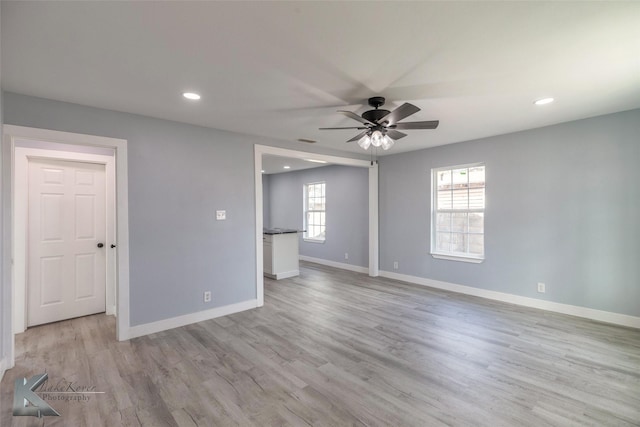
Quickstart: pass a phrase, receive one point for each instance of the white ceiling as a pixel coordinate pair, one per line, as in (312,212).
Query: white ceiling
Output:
(281,69)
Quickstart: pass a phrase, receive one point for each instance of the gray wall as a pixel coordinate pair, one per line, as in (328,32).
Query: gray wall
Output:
(179,175)
(266,201)
(563,208)
(347,192)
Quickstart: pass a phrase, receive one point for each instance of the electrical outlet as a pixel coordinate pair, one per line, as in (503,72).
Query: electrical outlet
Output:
(221,215)
(207,296)
(346,255)
(541,287)
(395,265)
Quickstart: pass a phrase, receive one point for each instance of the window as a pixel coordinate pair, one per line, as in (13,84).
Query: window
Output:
(314,212)
(458,213)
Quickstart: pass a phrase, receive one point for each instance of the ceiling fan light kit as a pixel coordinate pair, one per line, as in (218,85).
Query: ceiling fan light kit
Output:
(380,126)
(376,139)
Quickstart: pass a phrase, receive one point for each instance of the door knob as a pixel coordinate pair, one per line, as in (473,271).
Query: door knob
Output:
(113,246)
(100,245)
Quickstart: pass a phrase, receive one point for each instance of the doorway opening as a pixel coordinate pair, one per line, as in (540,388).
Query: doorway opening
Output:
(260,151)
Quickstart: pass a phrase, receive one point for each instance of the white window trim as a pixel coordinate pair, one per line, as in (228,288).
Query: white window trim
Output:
(305,201)
(309,240)
(451,256)
(461,257)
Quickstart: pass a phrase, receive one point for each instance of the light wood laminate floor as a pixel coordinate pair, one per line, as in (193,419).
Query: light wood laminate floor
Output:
(336,348)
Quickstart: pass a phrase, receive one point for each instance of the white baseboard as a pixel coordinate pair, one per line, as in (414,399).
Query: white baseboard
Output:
(350,267)
(187,319)
(589,313)
(283,275)
(110,310)
(4,365)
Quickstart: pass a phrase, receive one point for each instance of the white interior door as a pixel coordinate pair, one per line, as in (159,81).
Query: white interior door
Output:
(66,272)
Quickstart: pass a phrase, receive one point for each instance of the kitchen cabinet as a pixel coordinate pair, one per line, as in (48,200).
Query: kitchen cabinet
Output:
(280,253)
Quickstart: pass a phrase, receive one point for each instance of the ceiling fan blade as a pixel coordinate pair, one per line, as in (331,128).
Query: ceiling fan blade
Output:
(354,116)
(353,127)
(405,110)
(395,135)
(358,136)
(418,125)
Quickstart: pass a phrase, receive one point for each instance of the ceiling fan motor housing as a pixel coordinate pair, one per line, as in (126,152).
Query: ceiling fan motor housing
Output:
(374,115)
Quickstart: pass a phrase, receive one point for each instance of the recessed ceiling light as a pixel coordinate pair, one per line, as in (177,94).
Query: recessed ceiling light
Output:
(287,167)
(191,95)
(544,101)
(314,161)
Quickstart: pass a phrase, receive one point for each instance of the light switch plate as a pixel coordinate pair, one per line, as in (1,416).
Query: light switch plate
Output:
(221,215)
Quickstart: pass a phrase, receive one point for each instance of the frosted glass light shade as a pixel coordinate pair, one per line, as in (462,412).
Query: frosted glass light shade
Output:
(365,142)
(387,142)
(376,138)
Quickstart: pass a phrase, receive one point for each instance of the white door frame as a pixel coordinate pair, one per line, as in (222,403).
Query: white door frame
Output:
(22,156)
(259,150)
(13,133)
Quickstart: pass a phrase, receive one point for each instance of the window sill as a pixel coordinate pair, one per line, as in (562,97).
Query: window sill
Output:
(313,240)
(448,257)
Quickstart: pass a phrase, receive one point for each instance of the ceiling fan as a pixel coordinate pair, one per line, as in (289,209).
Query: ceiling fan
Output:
(381,126)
